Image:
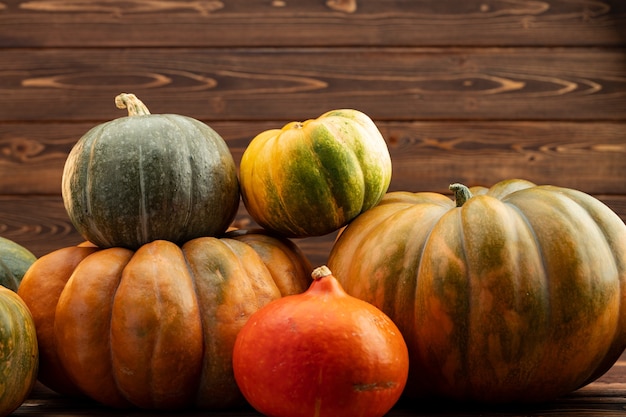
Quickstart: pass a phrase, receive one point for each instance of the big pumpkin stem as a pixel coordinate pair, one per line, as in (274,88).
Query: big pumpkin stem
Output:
(461,193)
(132,103)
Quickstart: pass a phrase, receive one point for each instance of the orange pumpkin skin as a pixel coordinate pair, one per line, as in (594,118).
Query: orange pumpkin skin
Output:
(153,328)
(518,295)
(41,291)
(289,266)
(320,353)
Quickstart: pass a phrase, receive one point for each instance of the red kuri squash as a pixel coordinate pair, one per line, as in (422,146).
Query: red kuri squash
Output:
(320,353)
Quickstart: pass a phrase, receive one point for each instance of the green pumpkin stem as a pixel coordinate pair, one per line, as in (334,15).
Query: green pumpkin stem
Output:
(461,193)
(132,103)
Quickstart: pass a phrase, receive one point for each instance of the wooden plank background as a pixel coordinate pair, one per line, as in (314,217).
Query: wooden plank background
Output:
(462,90)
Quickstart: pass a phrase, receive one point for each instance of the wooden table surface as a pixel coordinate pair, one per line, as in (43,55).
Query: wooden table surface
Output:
(602,398)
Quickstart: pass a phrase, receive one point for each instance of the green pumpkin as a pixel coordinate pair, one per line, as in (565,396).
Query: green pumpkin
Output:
(14,262)
(145,177)
(516,293)
(311,178)
(19,355)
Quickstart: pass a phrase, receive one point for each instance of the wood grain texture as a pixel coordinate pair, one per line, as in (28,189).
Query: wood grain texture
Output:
(603,398)
(273,84)
(587,156)
(305,23)
(426,156)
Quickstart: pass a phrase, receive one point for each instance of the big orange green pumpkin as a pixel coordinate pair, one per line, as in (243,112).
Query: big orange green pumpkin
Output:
(513,293)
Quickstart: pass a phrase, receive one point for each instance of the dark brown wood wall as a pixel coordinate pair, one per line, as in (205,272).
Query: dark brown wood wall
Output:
(463,90)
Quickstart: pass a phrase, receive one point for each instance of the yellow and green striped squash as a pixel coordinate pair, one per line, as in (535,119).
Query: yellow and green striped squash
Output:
(311,178)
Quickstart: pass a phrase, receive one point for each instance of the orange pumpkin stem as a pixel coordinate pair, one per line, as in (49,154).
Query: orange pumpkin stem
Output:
(320,272)
(326,286)
(461,193)
(132,103)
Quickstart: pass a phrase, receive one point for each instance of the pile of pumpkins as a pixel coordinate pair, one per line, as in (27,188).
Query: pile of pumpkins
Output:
(513,293)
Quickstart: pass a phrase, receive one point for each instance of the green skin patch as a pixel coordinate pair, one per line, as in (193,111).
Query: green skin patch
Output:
(14,262)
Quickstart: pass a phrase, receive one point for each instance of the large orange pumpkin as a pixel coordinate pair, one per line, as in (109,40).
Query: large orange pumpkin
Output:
(153,328)
(517,293)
